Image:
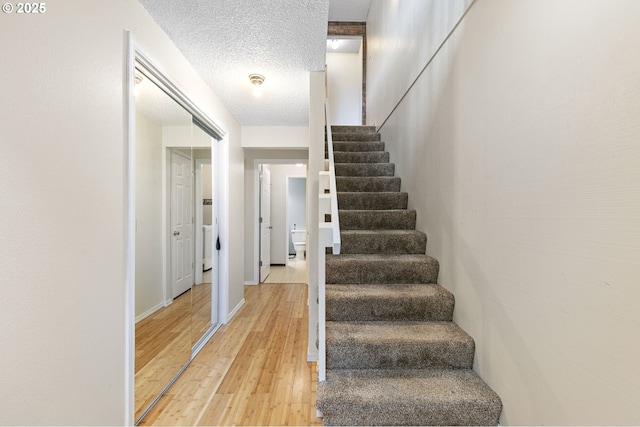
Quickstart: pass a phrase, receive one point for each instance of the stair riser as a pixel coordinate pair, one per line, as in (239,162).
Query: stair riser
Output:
(361,157)
(452,414)
(365,169)
(356,146)
(378,309)
(367,184)
(372,201)
(382,271)
(377,220)
(343,354)
(372,243)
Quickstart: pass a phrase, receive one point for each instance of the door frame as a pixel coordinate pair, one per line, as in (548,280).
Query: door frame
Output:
(256,203)
(135,53)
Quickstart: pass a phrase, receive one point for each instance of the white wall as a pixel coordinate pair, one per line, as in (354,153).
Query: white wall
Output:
(519,149)
(396,54)
(149,208)
(344,82)
(62,162)
(270,137)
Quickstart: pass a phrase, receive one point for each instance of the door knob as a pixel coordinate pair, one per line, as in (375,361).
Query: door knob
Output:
(176,233)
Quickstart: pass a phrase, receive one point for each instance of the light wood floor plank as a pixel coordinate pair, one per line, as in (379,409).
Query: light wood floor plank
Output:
(253,371)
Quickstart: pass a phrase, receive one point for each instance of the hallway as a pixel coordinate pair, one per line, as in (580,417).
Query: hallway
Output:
(253,371)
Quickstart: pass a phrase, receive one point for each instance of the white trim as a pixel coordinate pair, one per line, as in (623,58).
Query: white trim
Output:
(311,357)
(129,233)
(252,283)
(151,311)
(235,310)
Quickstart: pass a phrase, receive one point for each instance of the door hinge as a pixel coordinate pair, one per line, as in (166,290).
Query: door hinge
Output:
(260,263)
(260,220)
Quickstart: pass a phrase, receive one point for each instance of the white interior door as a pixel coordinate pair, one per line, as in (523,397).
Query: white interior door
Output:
(181,224)
(265,224)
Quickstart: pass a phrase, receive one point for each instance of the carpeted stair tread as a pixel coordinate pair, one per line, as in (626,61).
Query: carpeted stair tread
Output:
(420,397)
(361,156)
(398,345)
(368,183)
(356,146)
(380,302)
(365,169)
(382,241)
(389,219)
(354,136)
(352,129)
(381,268)
(372,201)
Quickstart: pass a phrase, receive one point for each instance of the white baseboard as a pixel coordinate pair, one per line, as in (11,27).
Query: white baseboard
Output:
(235,310)
(312,357)
(150,312)
(251,283)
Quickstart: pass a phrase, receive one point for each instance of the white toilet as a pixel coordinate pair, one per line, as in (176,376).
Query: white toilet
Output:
(299,239)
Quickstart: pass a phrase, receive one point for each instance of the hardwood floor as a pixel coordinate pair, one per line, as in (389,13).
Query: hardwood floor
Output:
(253,371)
(294,272)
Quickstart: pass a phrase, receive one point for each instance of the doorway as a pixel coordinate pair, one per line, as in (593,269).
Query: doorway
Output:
(287,210)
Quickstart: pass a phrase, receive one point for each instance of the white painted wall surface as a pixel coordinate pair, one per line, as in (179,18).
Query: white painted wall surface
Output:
(396,54)
(282,137)
(149,229)
(519,149)
(344,81)
(62,256)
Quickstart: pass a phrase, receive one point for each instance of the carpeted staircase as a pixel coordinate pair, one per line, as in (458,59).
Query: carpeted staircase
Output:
(394,356)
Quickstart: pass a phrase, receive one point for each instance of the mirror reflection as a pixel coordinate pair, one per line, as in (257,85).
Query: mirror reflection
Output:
(176,224)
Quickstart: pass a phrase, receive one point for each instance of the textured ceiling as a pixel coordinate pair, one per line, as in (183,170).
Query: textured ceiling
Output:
(226,40)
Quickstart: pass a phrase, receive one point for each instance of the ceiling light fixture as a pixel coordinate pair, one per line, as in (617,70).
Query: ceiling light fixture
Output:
(257,80)
(137,78)
(335,44)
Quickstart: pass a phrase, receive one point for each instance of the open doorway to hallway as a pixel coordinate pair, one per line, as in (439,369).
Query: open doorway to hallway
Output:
(282,222)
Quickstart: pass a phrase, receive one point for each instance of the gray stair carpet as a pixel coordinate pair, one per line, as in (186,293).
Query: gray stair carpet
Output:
(394,354)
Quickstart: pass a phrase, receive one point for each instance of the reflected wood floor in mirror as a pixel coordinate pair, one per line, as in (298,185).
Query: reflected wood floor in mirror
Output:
(162,347)
(253,371)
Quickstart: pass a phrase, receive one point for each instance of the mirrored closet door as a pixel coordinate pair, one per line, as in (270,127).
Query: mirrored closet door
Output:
(176,260)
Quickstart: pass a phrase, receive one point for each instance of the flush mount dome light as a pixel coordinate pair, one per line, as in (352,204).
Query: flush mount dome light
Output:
(257,80)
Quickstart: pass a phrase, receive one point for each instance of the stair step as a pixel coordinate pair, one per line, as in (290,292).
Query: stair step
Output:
(370,200)
(360,146)
(361,157)
(365,169)
(382,242)
(352,129)
(391,219)
(354,136)
(419,397)
(381,269)
(366,302)
(398,345)
(368,183)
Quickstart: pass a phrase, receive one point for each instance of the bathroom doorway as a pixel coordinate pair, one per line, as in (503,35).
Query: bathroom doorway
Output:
(288,211)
